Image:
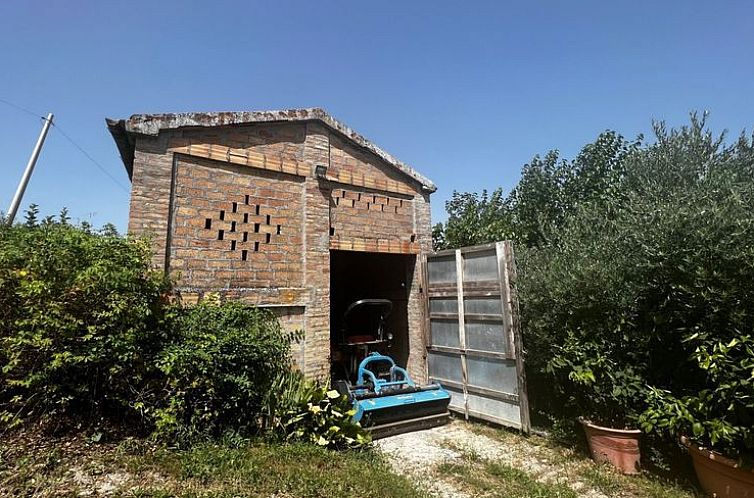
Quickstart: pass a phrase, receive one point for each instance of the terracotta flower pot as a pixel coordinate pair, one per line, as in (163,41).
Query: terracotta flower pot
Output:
(619,447)
(720,476)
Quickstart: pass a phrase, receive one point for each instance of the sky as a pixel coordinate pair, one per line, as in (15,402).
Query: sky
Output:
(465,92)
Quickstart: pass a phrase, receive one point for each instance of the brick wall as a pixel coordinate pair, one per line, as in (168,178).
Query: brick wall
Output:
(317,256)
(345,157)
(361,214)
(264,237)
(292,319)
(271,139)
(235,227)
(417,311)
(150,193)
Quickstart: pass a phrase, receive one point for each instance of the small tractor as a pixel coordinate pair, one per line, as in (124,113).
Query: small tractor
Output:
(386,399)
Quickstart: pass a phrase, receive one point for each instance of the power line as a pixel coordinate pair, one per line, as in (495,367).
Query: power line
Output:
(88,156)
(67,137)
(24,109)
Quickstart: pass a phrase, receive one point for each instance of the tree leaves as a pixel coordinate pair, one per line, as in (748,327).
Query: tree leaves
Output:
(76,310)
(636,279)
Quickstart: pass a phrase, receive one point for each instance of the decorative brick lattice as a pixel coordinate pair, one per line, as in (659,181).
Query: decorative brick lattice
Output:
(370,202)
(221,238)
(256,230)
(368,221)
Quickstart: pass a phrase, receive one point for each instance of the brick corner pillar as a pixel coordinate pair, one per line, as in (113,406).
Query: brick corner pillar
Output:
(417,359)
(317,254)
(151,184)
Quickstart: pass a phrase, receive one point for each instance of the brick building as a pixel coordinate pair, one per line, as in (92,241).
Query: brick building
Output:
(287,209)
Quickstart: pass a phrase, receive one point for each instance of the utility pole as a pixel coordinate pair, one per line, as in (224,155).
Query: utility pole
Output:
(13,209)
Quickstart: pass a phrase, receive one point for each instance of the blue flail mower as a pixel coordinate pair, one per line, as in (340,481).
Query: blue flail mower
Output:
(388,402)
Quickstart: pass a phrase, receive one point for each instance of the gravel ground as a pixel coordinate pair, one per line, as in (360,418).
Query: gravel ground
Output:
(418,454)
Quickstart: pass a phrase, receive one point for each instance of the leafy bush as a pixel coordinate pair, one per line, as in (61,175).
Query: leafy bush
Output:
(78,314)
(669,257)
(599,385)
(636,278)
(219,368)
(87,332)
(307,411)
(721,414)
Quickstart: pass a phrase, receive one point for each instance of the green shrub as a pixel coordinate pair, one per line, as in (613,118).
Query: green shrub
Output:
(307,411)
(78,314)
(87,332)
(636,273)
(721,414)
(219,369)
(642,309)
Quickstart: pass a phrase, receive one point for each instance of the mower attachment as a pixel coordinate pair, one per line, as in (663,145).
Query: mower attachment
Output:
(390,402)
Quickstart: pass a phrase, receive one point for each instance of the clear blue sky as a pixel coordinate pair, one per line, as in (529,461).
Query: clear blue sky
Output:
(466,92)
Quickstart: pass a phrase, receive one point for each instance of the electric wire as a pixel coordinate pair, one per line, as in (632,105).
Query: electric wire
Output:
(88,156)
(24,109)
(73,142)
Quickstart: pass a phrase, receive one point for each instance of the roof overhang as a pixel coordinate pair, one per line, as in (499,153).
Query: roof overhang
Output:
(124,131)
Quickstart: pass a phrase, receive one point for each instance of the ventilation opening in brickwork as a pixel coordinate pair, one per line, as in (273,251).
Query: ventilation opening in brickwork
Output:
(381,283)
(236,231)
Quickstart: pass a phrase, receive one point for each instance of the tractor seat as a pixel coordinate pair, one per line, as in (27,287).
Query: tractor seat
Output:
(359,339)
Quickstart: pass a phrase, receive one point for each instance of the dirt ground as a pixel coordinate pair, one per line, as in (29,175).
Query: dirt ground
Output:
(426,456)
(419,454)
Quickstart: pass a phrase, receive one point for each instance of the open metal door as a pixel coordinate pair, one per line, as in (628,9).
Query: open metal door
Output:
(473,334)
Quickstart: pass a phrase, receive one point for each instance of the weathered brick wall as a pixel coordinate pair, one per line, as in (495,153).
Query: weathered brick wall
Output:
(292,320)
(271,139)
(362,214)
(150,194)
(345,157)
(235,227)
(276,227)
(417,312)
(317,256)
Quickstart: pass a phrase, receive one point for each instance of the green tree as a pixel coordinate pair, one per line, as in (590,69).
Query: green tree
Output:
(636,278)
(648,286)
(64,218)
(31,216)
(549,191)
(473,219)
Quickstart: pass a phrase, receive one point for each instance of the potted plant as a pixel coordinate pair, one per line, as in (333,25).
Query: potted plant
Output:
(607,390)
(715,422)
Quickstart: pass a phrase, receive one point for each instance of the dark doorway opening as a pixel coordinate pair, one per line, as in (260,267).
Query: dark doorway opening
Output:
(356,276)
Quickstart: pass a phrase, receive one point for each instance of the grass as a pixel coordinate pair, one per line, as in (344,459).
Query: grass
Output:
(296,470)
(611,483)
(530,467)
(570,464)
(139,469)
(501,480)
